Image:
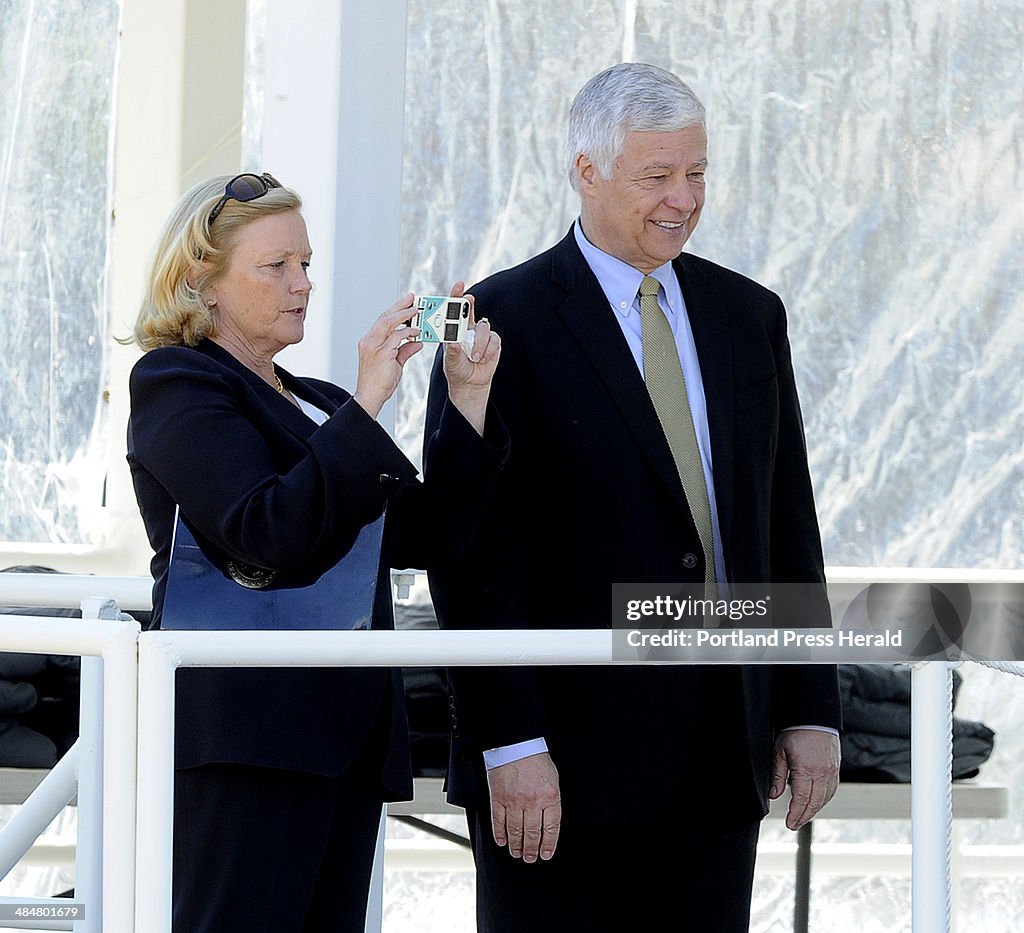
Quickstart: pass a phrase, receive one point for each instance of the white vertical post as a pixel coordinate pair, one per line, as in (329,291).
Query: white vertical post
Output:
(301,67)
(155,808)
(371,122)
(333,117)
(120,734)
(147,182)
(105,854)
(89,845)
(931,796)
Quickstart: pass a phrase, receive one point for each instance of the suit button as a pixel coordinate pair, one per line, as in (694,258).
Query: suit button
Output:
(689,561)
(388,481)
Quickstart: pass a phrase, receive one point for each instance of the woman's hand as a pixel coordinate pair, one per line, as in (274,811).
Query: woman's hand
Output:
(470,368)
(383,353)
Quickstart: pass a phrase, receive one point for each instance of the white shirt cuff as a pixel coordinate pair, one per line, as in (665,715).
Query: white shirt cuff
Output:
(812,728)
(505,754)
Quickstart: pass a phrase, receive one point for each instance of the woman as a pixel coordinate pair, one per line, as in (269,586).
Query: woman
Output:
(281,773)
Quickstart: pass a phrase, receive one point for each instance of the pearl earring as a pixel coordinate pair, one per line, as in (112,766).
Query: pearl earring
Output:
(210,302)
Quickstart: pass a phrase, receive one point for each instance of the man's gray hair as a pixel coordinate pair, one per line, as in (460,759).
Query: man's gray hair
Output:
(629,96)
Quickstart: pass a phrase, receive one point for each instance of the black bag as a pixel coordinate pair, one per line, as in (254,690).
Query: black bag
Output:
(875,740)
(39,696)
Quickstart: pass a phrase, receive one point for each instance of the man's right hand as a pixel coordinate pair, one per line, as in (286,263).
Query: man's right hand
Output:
(526,808)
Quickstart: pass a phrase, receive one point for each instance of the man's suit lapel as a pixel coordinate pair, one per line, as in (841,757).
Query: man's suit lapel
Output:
(709,321)
(585,312)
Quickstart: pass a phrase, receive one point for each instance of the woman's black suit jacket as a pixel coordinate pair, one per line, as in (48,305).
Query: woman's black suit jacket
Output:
(260,482)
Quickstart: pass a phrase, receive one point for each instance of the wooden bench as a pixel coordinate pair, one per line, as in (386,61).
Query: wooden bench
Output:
(17,783)
(971,801)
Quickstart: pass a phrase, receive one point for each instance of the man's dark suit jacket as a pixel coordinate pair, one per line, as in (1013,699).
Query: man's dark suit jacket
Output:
(590,496)
(260,482)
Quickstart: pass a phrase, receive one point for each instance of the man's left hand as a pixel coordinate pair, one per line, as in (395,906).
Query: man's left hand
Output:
(809,760)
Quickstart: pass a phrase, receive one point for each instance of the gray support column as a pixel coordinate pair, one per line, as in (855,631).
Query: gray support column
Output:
(148,151)
(332,120)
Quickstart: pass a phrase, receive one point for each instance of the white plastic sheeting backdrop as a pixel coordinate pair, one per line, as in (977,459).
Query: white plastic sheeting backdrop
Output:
(57,63)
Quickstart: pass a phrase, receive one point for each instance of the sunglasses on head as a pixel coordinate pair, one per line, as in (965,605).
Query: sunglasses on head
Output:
(244,187)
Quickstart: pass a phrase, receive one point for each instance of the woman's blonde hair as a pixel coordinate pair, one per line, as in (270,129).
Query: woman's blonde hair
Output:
(192,254)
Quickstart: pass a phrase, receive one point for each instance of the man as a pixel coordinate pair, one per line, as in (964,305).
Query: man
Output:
(576,779)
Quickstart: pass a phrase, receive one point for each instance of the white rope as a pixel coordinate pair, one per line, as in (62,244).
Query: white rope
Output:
(1007,667)
(949,798)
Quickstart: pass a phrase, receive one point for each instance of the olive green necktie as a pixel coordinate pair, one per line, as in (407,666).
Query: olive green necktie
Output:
(667,387)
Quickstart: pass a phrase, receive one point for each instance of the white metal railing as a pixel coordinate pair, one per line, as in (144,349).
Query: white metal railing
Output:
(100,767)
(161,653)
(128,825)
